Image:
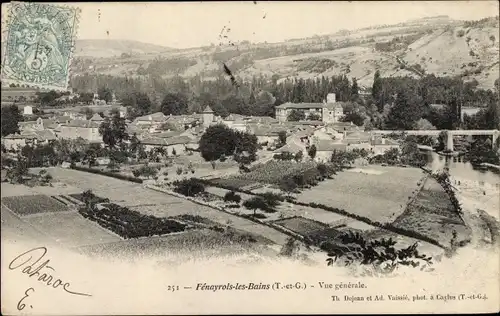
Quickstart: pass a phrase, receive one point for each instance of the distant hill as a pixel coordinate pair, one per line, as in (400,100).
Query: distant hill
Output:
(438,45)
(113,48)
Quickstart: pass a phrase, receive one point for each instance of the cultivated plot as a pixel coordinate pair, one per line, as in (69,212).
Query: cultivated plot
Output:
(71,229)
(33,204)
(372,195)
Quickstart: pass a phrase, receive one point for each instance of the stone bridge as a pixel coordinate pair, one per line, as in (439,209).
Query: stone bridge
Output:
(494,133)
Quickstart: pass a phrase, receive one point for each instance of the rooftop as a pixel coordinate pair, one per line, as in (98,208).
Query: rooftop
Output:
(82,123)
(176,140)
(96,117)
(289,105)
(291,147)
(154,117)
(327,145)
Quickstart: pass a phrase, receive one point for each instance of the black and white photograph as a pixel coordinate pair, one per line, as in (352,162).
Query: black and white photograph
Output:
(250,157)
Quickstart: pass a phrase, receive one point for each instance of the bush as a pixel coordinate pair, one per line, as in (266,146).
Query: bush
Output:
(145,171)
(189,187)
(179,171)
(108,174)
(258,202)
(378,254)
(272,199)
(231,196)
(284,156)
(89,198)
(256,215)
(460,33)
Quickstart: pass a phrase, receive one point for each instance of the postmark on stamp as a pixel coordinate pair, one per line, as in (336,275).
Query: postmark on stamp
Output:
(38,44)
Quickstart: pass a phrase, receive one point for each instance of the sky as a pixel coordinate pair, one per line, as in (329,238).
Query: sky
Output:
(194,24)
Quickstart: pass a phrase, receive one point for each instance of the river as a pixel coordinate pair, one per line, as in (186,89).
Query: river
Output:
(462,169)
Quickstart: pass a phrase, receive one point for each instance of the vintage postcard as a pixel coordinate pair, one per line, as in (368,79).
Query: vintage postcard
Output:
(250,158)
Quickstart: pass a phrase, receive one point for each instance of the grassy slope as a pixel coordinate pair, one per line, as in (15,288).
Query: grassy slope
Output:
(444,51)
(110,48)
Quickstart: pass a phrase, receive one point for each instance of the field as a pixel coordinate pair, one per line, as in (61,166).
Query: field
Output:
(378,196)
(150,202)
(432,215)
(233,182)
(300,225)
(15,228)
(33,204)
(71,229)
(195,243)
(274,171)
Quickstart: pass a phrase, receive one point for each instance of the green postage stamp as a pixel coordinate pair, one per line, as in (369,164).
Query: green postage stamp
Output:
(38,44)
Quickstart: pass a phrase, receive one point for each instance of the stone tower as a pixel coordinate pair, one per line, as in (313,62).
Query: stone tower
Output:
(208,116)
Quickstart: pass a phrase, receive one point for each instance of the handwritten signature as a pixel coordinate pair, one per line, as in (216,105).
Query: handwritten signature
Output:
(20,305)
(33,270)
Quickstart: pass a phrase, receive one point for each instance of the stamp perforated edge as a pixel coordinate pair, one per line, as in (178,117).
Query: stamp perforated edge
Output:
(6,9)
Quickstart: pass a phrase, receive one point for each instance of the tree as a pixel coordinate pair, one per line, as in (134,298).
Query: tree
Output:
(481,151)
(19,171)
(264,104)
(105,94)
(424,124)
(354,90)
(354,117)
(86,97)
(134,144)
(272,200)
(145,171)
(221,141)
(314,117)
(114,131)
(91,154)
(282,138)
(139,103)
(11,116)
(406,111)
(377,88)
(175,104)
(246,147)
(255,203)
(189,187)
(312,151)
(298,156)
(231,196)
(88,112)
(342,158)
(288,185)
(48,98)
(113,165)
(411,155)
(296,115)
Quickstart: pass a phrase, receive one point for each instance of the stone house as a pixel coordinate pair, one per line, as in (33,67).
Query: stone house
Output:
(329,111)
(176,143)
(86,129)
(325,148)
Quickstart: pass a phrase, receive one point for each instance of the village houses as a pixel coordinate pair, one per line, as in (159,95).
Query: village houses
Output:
(330,111)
